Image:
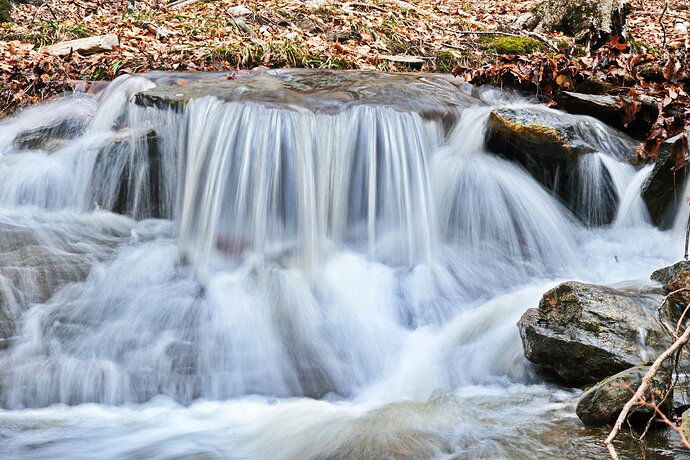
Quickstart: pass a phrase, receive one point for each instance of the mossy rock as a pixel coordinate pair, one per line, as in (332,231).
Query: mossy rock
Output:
(5,10)
(511,45)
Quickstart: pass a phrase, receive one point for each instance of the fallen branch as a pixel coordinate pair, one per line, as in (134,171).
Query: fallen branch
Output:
(639,394)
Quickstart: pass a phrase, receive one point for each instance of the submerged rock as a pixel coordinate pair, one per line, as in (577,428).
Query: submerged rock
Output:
(430,95)
(584,332)
(663,190)
(601,404)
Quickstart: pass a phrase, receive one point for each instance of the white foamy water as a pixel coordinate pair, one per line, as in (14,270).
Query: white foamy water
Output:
(340,283)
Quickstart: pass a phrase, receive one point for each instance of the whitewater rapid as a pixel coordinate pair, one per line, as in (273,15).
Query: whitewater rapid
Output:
(293,283)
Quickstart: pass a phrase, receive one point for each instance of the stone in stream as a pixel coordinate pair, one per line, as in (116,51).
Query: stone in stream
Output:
(129,160)
(611,110)
(602,403)
(433,96)
(583,333)
(557,150)
(663,190)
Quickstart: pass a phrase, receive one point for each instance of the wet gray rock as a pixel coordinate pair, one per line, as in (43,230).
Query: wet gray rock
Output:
(663,190)
(601,404)
(673,279)
(555,149)
(583,333)
(611,110)
(430,95)
(11,308)
(127,161)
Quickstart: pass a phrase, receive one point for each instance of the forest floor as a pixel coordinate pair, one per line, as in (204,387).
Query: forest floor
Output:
(227,35)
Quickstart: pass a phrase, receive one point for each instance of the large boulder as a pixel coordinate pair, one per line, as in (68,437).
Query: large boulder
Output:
(557,150)
(611,110)
(663,190)
(583,333)
(602,403)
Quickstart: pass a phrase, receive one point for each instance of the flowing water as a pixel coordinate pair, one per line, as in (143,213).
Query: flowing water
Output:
(338,276)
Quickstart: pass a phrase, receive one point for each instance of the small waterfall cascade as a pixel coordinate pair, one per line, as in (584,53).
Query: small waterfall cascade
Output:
(329,240)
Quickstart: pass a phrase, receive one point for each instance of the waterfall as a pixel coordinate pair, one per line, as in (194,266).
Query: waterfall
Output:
(353,259)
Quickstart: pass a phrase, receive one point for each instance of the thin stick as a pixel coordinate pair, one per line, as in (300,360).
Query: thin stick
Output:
(661,23)
(639,394)
(687,236)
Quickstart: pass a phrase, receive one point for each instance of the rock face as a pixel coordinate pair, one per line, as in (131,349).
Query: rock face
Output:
(589,21)
(584,332)
(610,110)
(662,192)
(601,404)
(674,278)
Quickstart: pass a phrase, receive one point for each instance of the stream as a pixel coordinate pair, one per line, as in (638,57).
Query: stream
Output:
(257,275)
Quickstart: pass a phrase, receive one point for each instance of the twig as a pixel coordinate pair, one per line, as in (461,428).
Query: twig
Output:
(485,32)
(687,236)
(663,27)
(639,394)
(454,47)
(659,310)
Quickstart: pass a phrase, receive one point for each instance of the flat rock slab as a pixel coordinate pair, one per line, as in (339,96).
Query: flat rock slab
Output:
(84,46)
(323,91)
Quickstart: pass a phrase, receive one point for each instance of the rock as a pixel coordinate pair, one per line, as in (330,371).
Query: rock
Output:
(601,404)
(414,62)
(527,21)
(673,278)
(663,190)
(239,11)
(650,71)
(583,332)
(51,137)
(431,96)
(551,146)
(11,308)
(589,21)
(593,86)
(685,424)
(116,190)
(611,110)
(528,130)
(84,46)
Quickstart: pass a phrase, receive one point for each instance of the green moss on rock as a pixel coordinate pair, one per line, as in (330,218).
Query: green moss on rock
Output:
(5,10)
(511,45)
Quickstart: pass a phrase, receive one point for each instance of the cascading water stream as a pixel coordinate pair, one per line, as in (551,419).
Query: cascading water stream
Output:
(302,280)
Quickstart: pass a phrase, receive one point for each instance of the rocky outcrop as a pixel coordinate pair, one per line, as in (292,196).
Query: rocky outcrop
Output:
(601,404)
(611,110)
(583,333)
(663,190)
(675,278)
